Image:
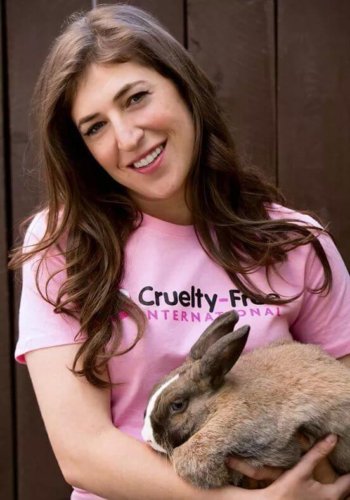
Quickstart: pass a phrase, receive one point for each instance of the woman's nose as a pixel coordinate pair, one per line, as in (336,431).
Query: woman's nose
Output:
(127,135)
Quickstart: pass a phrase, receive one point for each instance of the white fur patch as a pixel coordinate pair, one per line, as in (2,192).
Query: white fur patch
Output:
(147,431)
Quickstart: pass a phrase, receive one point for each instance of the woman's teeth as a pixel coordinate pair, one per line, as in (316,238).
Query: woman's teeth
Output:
(149,158)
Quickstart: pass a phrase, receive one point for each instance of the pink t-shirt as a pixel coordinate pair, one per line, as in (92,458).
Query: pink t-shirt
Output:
(181,291)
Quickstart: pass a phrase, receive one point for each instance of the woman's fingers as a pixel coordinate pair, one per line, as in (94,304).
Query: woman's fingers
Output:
(323,472)
(298,482)
(304,480)
(314,461)
(259,474)
(315,455)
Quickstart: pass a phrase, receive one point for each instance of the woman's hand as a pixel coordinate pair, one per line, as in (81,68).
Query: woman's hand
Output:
(299,483)
(264,476)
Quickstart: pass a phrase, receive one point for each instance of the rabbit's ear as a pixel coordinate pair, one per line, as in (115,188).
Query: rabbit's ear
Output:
(220,357)
(221,326)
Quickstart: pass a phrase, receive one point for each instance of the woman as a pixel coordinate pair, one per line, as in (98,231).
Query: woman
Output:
(151,229)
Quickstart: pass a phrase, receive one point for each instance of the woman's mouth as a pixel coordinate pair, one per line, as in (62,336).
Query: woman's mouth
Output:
(151,161)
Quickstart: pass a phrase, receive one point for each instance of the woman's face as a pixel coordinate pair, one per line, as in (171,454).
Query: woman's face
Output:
(139,129)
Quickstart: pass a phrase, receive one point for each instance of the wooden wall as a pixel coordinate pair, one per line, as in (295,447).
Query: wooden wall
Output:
(283,77)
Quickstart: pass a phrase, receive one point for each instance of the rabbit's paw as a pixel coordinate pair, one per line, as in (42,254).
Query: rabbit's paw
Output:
(202,471)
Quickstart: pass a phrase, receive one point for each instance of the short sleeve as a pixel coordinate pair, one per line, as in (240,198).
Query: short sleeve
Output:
(325,319)
(322,319)
(39,325)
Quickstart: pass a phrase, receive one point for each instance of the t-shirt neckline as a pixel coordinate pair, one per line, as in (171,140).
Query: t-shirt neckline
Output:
(159,225)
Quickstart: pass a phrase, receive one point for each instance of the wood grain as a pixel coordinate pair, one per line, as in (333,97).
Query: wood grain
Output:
(7,417)
(169,12)
(233,41)
(32,26)
(314,110)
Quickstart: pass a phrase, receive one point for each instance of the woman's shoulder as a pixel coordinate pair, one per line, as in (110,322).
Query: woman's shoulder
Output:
(38,235)
(276,211)
(36,229)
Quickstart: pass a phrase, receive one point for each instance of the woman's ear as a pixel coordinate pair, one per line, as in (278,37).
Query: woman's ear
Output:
(221,326)
(221,356)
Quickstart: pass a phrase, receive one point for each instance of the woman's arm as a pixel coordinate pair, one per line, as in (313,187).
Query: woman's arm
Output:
(91,452)
(97,457)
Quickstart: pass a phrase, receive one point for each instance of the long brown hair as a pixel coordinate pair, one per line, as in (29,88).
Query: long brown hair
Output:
(228,203)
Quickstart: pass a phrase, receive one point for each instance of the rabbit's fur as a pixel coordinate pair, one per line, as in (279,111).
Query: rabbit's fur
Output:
(202,412)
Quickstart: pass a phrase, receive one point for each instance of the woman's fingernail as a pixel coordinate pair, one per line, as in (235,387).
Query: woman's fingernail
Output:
(331,439)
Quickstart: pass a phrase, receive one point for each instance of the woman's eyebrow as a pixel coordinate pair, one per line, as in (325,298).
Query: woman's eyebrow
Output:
(117,96)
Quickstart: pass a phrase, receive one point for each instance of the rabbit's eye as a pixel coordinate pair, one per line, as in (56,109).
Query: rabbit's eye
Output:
(178,406)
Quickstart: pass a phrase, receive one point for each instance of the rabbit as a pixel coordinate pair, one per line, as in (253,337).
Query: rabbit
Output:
(202,412)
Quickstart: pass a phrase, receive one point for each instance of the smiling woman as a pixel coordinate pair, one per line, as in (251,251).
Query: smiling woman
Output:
(151,228)
(134,121)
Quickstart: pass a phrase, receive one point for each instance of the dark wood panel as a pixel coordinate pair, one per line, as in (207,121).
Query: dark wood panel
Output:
(169,12)
(314,110)
(233,41)
(7,472)
(32,27)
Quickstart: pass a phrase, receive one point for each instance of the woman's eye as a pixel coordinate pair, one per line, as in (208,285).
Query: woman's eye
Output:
(94,128)
(178,406)
(135,98)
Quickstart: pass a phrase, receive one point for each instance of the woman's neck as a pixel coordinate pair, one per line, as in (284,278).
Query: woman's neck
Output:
(176,213)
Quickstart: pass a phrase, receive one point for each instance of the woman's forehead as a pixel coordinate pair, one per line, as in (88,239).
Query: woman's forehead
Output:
(100,81)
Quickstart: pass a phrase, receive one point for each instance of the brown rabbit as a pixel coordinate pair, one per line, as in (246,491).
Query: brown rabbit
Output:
(202,412)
